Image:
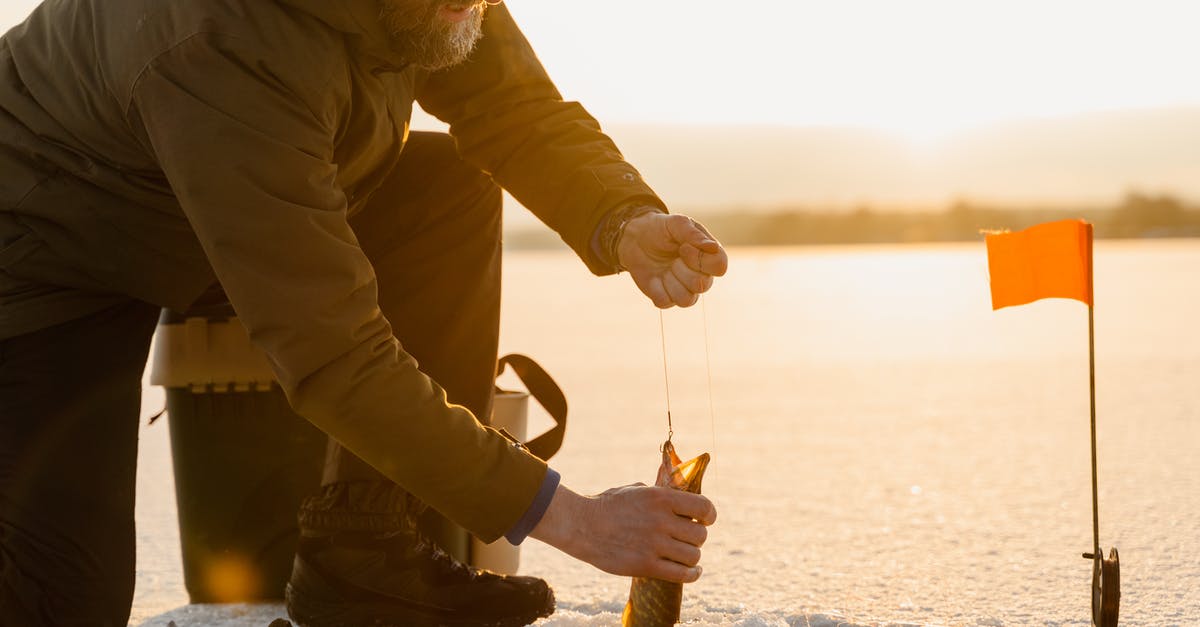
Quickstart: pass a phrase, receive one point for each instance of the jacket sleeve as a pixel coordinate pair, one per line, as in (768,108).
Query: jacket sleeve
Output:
(250,161)
(509,120)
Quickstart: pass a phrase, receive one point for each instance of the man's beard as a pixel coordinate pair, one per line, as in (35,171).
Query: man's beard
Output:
(427,39)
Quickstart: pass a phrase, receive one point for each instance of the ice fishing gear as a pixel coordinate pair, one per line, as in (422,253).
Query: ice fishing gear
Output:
(662,333)
(1106,588)
(1106,573)
(1054,260)
(712,415)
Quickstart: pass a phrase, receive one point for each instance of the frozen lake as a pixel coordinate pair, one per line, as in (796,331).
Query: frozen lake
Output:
(887,450)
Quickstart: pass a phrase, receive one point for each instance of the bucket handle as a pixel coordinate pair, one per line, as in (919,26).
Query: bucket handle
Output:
(547,393)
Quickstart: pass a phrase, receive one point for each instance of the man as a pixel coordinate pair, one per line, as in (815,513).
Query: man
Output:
(170,153)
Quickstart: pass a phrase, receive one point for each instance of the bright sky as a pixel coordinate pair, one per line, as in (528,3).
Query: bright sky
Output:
(921,68)
(917,67)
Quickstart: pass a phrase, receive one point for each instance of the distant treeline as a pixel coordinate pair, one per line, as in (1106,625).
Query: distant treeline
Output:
(1137,215)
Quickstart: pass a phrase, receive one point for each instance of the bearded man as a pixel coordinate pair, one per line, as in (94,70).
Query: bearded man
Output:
(181,154)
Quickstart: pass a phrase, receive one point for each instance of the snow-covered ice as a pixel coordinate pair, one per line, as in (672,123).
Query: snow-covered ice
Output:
(887,450)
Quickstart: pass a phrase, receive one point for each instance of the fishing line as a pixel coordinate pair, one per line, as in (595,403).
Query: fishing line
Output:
(712,414)
(662,333)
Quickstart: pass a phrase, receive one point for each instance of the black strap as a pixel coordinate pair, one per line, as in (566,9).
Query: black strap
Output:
(547,393)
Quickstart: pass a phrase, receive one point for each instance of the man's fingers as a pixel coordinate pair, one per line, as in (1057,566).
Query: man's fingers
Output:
(707,263)
(674,571)
(714,263)
(680,552)
(679,293)
(685,230)
(695,282)
(689,531)
(703,229)
(675,260)
(694,506)
(653,288)
(676,285)
(645,532)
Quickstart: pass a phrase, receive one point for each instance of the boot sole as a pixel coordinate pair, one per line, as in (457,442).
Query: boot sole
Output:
(344,613)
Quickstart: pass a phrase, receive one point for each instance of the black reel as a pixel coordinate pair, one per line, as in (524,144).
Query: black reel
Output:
(1106,588)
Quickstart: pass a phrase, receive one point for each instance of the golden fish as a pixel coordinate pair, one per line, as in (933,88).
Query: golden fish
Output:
(654,602)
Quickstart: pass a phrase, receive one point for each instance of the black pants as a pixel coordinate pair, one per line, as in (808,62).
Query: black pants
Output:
(70,394)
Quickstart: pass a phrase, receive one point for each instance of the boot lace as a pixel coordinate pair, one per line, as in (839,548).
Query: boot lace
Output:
(444,564)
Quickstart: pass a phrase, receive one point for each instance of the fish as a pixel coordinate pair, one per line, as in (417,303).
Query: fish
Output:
(655,602)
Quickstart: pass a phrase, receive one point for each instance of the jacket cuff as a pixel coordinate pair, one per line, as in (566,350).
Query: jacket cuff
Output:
(541,502)
(607,234)
(591,244)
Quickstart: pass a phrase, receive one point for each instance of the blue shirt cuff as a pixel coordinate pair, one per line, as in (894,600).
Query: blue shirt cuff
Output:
(537,509)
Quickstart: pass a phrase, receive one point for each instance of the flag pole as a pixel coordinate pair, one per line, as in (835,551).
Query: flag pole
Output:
(1106,573)
(1092,390)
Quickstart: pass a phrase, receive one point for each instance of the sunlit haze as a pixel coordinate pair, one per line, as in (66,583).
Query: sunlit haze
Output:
(921,67)
(922,73)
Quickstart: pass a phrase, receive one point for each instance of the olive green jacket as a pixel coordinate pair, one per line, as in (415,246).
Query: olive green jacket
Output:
(150,147)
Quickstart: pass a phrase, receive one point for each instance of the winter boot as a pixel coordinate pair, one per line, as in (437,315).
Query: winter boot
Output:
(363,561)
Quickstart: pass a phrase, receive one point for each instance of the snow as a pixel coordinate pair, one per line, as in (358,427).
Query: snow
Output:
(887,451)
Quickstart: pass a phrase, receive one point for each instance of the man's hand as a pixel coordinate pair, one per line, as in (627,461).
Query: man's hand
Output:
(671,258)
(636,530)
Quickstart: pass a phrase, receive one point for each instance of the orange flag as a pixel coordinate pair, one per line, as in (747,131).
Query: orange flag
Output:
(1051,260)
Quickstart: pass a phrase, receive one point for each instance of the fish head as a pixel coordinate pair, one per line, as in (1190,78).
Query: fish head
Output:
(678,474)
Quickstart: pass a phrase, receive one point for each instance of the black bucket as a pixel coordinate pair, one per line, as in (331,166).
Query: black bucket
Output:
(243,460)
